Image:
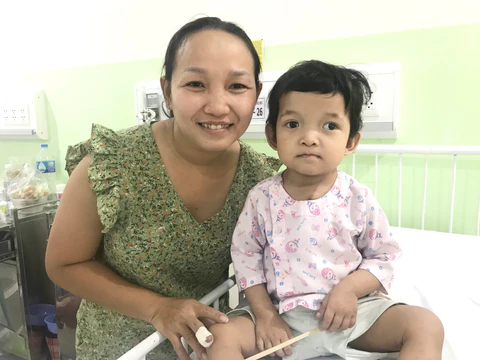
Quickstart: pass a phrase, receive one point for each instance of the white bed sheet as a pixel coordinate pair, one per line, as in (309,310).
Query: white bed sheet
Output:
(440,271)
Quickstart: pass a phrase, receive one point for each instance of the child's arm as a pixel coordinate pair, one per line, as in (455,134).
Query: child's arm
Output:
(260,301)
(339,308)
(379,251)
(248,243)
(379,248)
(270,329)
(361,283)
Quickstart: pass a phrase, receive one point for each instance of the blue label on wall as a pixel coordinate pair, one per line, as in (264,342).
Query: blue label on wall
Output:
(46,166)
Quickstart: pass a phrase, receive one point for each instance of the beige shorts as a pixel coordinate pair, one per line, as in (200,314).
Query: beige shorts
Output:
(324,343)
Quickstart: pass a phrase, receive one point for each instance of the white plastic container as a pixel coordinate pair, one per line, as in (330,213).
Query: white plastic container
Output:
(29,203)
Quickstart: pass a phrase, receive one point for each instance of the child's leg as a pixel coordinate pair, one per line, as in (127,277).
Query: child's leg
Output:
(234,340)
(414,331)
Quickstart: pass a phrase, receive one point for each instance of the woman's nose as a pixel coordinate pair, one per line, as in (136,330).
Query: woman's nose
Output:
(217,104)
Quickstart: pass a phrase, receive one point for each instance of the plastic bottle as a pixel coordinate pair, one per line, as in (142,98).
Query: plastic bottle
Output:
(46,165)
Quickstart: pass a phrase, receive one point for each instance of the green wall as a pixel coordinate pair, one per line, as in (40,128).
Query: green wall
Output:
(440,76)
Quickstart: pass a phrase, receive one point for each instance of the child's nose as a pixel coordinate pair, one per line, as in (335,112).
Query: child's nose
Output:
(310,138)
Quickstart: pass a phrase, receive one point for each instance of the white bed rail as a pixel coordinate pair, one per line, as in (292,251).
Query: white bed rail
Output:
(427,151)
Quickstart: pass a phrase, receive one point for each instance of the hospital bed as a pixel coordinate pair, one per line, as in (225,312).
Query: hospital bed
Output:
(439,269)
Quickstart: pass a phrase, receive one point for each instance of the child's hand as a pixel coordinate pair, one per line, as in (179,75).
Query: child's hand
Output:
(338,309)
(272,330)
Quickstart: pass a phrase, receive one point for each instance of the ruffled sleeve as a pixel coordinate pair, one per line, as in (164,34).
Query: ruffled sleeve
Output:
(257,166)
(273,164)
(104,173)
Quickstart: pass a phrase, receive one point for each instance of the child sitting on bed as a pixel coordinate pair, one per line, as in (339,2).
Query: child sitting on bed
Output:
(313,246)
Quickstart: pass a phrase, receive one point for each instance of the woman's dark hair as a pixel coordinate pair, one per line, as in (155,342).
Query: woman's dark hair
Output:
(201,24)
(323,78)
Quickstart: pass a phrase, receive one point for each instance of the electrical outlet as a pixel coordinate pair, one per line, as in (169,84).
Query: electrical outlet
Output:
(370,109)
(11,115)
(5,115)
(23,116)
(23,120)
(21,110)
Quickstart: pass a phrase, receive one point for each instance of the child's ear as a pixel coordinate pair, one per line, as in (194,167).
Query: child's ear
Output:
(272,141)
(352,144)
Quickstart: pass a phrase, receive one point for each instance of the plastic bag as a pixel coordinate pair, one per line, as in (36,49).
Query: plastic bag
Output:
(25,182)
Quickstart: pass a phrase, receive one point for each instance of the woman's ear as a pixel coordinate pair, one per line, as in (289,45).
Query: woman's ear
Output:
(166,91)
(259,88)
(271,138)
(352,143)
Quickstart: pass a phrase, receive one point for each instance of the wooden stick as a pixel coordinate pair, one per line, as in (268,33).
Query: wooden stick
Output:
(282,345)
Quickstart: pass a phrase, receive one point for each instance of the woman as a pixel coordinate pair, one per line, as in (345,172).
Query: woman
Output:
(145,222)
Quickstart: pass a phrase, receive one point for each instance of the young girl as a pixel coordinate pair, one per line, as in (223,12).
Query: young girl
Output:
(313,246)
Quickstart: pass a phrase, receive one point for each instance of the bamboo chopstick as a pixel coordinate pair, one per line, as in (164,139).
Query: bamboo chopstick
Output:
(282,345)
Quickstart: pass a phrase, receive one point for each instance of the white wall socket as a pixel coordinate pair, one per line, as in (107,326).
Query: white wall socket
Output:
(23,114)
(370,109)
(14,115)
(381,115)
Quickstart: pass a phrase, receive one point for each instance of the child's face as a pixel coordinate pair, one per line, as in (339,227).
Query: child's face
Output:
(312,133)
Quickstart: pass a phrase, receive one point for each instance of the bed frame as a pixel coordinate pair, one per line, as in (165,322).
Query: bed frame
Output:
(426,151)
(140,351)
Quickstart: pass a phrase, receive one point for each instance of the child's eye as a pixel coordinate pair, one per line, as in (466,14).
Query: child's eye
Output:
(330,126)
(194,84)
(238,86)
(292,124)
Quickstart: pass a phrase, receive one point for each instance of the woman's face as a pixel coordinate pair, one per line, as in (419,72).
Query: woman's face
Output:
(213,92)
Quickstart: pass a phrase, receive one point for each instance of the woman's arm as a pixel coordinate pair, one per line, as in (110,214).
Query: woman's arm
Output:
(74,241)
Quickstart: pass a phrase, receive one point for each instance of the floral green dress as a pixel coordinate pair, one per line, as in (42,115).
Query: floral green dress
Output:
(150,238)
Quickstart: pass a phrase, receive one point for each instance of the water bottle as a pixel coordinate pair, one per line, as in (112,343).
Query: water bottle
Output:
(46,165)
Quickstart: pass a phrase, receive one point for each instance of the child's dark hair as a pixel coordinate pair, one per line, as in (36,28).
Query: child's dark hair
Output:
(323,78)
(201,24)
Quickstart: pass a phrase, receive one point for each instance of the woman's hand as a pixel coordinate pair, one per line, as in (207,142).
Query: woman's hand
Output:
(177,318)
(272,330)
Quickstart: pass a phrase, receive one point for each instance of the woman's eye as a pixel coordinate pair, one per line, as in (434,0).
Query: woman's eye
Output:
(330,126)
(195,84)
(238,86)
(292,124)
